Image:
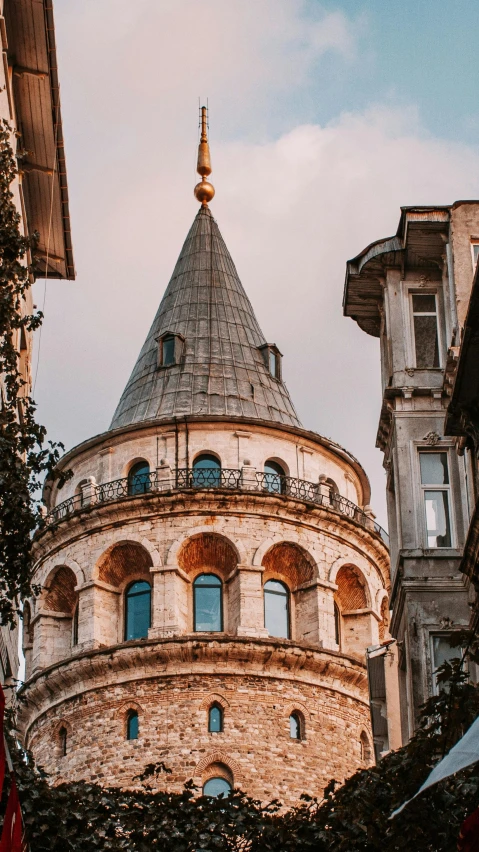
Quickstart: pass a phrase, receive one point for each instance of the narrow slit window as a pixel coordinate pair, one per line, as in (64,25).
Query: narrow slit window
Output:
(215,719)
(63,741)
(295,726)
(132,725)
(426,337)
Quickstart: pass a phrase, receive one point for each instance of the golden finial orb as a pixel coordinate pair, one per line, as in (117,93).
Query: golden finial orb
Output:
(204,190)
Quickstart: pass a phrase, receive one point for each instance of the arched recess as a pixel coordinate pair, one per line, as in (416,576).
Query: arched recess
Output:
(353,602)
(207,553)
(365,750)
(122,564)
(203,554)
(210,530)
(292,565)
(53,629)
(218,764)
(214,698)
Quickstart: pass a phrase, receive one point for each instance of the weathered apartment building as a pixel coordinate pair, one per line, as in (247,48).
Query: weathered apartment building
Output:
(412,292)
(30,103)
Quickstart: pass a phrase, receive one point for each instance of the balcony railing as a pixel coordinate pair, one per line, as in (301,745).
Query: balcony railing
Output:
(247,479)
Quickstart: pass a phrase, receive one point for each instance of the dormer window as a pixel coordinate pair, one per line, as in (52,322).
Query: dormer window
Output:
(272,358)
(170,349)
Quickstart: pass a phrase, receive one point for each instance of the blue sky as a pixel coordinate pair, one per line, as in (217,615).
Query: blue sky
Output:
(325,118)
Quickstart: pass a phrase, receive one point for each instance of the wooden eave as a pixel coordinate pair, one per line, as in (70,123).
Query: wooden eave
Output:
(363,291)
(418,245)
(36,93)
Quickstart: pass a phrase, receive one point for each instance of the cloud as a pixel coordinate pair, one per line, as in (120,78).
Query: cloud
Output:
(292,209)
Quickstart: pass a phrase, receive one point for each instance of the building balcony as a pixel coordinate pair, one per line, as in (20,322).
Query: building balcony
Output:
(165,480)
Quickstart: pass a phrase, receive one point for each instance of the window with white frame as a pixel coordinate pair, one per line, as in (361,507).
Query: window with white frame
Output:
(426,332)
(475,253)
(436,498)
(442,652)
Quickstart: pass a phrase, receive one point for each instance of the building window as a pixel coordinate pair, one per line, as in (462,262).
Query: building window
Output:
(137,610)
(274,478)
(170,349)
(337,625)
(206,471)
(436,496)
(426,336)
(215,719)
(139,478)
(276,609)
(75,626)
(272,359)
(215,787)
(132,725)
(295,726)
(63,737)
(475,253)
(442,652)
(208,604)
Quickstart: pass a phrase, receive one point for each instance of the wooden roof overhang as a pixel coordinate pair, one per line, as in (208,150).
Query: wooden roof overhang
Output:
(30,34)
(418,245)
(363,291)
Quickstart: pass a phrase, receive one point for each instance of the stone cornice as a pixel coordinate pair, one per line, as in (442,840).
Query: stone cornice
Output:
(186,655)
(124,512)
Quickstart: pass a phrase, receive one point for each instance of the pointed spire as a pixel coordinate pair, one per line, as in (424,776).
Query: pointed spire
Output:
(215,360)
(204,190)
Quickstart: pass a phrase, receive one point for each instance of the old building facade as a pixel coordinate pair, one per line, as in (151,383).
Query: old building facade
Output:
(412,291)
(212,574)
(30,104)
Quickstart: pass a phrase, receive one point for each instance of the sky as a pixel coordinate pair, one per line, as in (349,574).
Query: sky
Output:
(325,119)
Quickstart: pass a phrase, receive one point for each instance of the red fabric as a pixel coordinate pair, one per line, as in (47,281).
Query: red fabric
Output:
(2,740)
(12,832)
(468,835)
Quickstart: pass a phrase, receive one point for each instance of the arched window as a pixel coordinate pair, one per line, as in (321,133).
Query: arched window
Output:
(337,625)
(139,478)
(63,737)
(206,471)
(137,610)
(216,787)
(333,491)
(295,726)
(215,719)
(75,626)
(364,748)
(274,479)
(208,604)
(132,725)
(276,609)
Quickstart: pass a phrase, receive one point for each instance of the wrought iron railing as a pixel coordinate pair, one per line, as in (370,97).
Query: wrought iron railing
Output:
(206,478)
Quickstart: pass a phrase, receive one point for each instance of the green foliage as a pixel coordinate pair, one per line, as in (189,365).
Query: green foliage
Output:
(352,818)
(24,456)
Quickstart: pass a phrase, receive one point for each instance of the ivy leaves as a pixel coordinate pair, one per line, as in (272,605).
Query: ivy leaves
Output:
(25,456)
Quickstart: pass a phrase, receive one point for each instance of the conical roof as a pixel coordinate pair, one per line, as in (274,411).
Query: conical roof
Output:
(221,369)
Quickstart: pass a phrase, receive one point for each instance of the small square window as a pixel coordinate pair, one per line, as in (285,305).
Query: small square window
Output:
(170,348)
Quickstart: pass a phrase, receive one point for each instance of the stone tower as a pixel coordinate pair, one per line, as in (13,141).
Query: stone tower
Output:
(212,573)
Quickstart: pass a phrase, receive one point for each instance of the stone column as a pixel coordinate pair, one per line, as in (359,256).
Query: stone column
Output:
(98,615)
(88,492)
(245,599)
(248,476)
(52,639)
(164,476)
(170,602)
